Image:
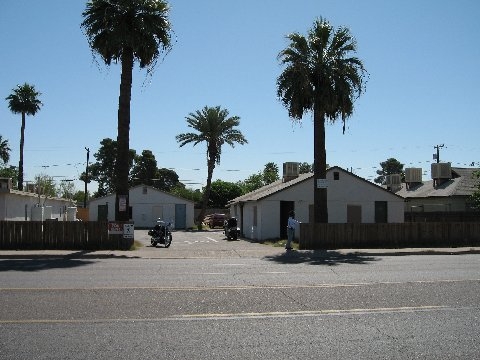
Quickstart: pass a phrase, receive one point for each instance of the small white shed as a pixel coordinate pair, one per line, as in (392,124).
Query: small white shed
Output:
(18,205)
(147,204)
(263,214)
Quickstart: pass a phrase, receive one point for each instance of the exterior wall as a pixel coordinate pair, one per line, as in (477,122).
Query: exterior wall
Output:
(446,204)
(17,206)
(146,207)
(349,190)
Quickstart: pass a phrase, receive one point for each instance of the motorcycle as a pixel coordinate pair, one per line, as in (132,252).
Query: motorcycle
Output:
(231,229)
(161,234)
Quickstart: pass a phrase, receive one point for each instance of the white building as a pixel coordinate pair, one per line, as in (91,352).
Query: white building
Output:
(18,205)
(147,206)
(263,214)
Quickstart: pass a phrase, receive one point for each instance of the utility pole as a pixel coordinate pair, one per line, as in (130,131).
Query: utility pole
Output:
(86,179)
(438,152)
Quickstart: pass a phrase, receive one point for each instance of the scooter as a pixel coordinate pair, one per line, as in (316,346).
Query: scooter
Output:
(161,234)
(231,229)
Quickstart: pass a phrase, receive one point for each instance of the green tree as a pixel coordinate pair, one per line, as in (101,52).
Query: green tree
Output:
(166,180)
(45,185)
(252,183)
(475,198)
(194,195)
(23,100)
(322,76)
(270,173)
(10,172)
(389,167)
(66,189)
(4,150)
(103,170)
(127,31)
(215,128)
(222,192)
(144,169)
(305,168)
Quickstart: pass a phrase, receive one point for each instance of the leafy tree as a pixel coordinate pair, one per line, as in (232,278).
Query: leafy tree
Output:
(389,167)
(166,180)
(322,76)
(79,196)
(305,168)
(10,172)
(66,189)
(215,128)
(144,169)
(270,173)
(222,192)
(103,170)
(4,150)
(252,183)
(127,31)
(23,100)
(189,194)
(45,185)
(475,198)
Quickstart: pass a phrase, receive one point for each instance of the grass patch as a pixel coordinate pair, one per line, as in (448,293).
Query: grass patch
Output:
(280,243)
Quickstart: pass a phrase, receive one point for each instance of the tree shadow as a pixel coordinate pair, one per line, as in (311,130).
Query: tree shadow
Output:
(39,264)
(321,257)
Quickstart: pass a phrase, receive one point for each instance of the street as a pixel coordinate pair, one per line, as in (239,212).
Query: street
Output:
(274,306)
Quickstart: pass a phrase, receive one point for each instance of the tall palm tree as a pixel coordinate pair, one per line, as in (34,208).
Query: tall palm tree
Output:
(23,100)
(322,76)
(127,31)
(4,150)
(215,128)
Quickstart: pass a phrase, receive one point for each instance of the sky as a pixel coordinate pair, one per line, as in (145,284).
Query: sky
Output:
(422,59)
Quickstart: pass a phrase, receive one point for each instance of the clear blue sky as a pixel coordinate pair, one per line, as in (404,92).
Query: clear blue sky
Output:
(423,58)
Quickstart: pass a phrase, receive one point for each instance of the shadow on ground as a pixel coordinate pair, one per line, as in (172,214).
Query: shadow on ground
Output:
(39,264)
(321,257)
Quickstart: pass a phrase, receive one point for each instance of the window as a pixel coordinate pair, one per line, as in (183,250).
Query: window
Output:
(336,175)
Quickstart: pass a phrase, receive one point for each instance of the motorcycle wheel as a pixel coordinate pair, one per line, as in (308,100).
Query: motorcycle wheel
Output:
(153,242)
(168,241)
(234,237)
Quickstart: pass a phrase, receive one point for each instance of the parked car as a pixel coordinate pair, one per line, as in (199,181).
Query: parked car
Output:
(213,220)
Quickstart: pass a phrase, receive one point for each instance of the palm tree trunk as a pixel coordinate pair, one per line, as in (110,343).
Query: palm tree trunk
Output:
(208,187)
(320,209)
(20,163)
(123,141)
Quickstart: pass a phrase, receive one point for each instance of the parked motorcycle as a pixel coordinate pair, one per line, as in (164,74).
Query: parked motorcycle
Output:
(231,229)
(161,234)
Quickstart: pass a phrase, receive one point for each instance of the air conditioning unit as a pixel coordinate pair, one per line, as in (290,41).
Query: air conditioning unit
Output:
(394,179)
(5,184)
(441,171)
(413,175)
(290,169)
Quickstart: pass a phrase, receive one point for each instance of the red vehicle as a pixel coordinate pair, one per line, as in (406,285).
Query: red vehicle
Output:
(213,220)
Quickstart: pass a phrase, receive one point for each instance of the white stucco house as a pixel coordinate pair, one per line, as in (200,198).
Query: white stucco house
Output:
(147,204)
(18,205)
(263,214)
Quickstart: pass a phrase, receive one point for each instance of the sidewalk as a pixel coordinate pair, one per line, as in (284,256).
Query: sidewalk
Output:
(238,249)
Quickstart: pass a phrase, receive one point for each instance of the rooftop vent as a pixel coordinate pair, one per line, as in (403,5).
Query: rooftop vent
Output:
(393,182)
(441,171)
(5,184)
(413,175)
(290,171)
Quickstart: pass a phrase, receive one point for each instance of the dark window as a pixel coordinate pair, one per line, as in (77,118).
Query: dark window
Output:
(336,175)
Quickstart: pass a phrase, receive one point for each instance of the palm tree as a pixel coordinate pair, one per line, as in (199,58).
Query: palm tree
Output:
(321,76)
(23,100)
(214,127)
(127,31)
(4,150)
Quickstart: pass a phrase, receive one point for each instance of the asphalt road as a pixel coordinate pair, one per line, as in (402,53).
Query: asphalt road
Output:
(273,306)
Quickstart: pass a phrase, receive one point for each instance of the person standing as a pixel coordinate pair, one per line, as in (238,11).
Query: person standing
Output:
(291,227)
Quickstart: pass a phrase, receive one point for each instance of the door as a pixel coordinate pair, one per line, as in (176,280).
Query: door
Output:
(180,216)
(102,213)
(354,214)
(285,208)
(381,212)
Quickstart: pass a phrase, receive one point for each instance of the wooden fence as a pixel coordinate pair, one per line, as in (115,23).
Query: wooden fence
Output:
(58,235)
(401,235)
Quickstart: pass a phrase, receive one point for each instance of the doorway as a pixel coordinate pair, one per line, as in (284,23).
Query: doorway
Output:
(285,208)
